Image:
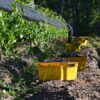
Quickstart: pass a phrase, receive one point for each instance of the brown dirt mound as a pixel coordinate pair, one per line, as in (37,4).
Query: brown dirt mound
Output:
(85,87)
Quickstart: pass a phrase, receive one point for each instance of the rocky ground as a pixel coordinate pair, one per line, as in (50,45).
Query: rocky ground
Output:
(85,87)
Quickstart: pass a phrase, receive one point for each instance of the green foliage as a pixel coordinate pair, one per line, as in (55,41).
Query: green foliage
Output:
(50,14)
(15,29)
(25,82)
(95,22)
(84,15)
(24,1)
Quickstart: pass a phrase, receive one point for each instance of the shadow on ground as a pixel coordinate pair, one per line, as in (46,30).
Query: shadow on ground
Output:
(44,95)
(14,66)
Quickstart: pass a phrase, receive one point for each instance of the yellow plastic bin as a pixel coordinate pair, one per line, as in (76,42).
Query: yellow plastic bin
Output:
(81,41)
(76,44)
(72,47)
(81,61)
(57,70)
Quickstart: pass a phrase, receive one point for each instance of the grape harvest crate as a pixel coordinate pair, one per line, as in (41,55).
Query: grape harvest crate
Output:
(82,41)
(76,44)
(57,70)
(81,61)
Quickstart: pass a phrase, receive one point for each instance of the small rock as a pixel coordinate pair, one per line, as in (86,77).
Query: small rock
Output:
(4,91)
(7,79)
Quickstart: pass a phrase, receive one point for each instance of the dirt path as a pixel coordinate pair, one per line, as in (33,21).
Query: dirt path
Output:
(85,87)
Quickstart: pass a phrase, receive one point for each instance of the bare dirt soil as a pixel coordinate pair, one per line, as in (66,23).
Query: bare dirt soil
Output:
(85,87)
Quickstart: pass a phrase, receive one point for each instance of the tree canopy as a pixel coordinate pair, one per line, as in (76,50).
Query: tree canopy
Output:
(84,15)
